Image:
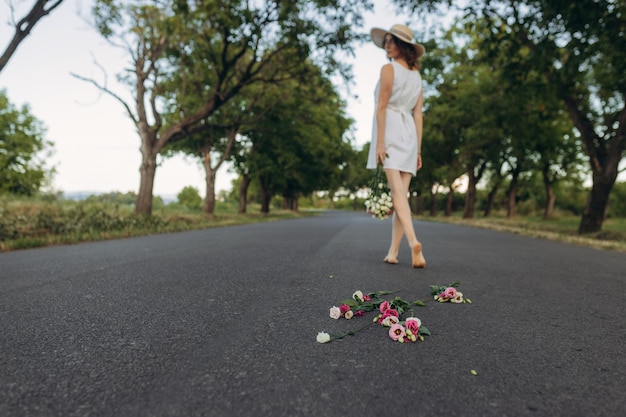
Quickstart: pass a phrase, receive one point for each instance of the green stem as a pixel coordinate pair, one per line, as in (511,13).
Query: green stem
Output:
(352,332)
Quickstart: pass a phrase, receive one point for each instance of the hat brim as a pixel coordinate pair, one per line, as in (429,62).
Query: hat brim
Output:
(378,36)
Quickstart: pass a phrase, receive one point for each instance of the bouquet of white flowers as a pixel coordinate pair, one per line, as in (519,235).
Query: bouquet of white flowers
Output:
(379,203)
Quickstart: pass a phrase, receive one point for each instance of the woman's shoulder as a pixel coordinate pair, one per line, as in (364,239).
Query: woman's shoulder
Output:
(387,70)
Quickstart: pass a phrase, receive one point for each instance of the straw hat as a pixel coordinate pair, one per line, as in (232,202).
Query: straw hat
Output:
(400,32)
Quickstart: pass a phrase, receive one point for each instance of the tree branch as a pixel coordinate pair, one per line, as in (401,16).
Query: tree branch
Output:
(107,91)
(25,25)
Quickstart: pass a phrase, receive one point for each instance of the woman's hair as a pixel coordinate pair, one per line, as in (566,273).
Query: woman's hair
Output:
(408,52)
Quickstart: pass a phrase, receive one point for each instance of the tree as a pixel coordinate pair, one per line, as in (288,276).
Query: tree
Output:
(353,174)
(190,198)
(576,46)
(300,145)
(216,49)
(215,138)
(22,142)
(25,25)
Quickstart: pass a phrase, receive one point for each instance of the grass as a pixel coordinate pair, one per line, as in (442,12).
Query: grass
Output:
(563,228)
(31,224)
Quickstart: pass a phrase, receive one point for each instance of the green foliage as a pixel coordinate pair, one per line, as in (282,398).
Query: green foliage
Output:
(115,198)
(190,198)
(22,150)
(33,222)
(73,218)
(565,59)
(617,203)
(300,143)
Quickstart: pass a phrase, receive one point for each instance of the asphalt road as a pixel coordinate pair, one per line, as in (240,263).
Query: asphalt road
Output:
(223,322)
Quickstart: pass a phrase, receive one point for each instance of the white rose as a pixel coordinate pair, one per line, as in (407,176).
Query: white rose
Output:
(458,299)
(335,312)
(390,321)
(358,295)
(323,337)
(349,314)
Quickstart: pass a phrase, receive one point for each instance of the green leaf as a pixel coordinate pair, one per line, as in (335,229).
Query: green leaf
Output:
(351,302)
(424,330)
(419,303)
(379,293)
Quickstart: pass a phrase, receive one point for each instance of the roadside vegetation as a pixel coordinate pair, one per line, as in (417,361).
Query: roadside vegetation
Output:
(30,222)
(36,222)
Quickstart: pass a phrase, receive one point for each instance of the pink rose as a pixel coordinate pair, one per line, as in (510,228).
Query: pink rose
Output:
(384,306)
(450,292)
(390,312)
(366,297)
(413,324)
(359,313)
(344,308)
(396,332)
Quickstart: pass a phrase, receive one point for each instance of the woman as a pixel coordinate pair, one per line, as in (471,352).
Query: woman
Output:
(397,131)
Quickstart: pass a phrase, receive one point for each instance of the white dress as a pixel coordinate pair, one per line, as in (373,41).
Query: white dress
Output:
(400,133)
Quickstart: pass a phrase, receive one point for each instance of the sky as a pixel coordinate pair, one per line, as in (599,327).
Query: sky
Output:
(96,146)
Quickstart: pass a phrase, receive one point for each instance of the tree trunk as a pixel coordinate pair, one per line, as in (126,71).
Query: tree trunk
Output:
(209,199)
(550,196)
(243,193)
(491,197)
(266,196)
(550,201)
(604,167)
(143,203)
(331,199)
(419,204)
(512,191)
(433,202)
(290,203)
(597,202)
(470,196)
(211,171)
(604,158)
(449,201)
(510,205)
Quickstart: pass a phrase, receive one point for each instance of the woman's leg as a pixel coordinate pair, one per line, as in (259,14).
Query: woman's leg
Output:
(397,231)
(402,222)
(396,238)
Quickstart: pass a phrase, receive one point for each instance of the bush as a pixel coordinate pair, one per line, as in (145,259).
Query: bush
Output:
(190,198)
(617,201)
(40,219)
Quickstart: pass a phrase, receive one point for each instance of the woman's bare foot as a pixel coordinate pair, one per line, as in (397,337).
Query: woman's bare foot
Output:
(390,260)
(418,260)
